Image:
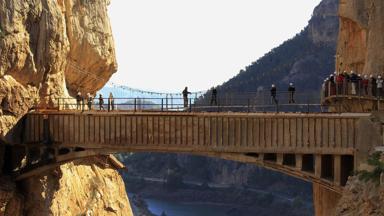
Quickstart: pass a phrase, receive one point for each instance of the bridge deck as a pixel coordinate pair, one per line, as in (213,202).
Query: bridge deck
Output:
(217,132)
(322,147)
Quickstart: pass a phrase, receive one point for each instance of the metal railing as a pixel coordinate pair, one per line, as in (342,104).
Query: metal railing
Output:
(352,90)
(228,102)
(348,88)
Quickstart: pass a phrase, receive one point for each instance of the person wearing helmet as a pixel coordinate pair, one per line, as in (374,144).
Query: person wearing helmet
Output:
(111,102)
(326,83)
(379,84)
(339,84)
(332,84)
(101,102)
(354,82)
(291,92)
(78,100)
(365,84)
(214,96)
(89,101)
(273,93)
(346,84)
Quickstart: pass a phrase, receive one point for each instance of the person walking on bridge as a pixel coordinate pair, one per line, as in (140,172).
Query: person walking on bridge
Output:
(111,102)
(101,102)
(291,92)
(273,93)
(185,97)
(214,96)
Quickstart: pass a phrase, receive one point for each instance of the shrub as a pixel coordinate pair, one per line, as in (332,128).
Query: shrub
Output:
(374,175)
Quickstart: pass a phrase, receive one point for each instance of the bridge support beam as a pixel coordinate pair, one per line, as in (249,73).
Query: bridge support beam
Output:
(324,200)
(2,152)
(299,161)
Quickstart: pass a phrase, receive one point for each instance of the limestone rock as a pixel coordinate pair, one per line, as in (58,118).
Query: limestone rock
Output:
(360,43)
(322,28)
(11,201)
(361,198)
(54,47)
(83,187)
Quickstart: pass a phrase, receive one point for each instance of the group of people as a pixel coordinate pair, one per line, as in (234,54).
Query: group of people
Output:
(291,93)
(352,84)
(80,101)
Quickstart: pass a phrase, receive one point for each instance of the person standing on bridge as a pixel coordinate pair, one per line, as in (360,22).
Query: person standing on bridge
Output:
(354,81)
(89,101)
(185,97)
(273,93)
(291,92)
(111,102)
(78,100)
(340,84)
(214,96)
(379,84)
(373,85)
(101,102)
(365,84)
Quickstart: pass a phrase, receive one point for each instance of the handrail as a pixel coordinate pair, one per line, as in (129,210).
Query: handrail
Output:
(244,102)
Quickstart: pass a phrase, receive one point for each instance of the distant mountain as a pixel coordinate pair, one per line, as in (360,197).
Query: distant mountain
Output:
(305,60)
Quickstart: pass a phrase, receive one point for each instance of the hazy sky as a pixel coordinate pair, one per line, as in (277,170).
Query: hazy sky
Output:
(164,45)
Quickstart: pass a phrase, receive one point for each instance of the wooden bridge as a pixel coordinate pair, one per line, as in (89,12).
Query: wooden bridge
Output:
(322,148)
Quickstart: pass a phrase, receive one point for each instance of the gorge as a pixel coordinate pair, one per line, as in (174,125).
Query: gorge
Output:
(48,47)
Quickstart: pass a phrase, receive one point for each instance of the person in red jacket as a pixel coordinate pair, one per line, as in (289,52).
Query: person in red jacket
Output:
(340,84)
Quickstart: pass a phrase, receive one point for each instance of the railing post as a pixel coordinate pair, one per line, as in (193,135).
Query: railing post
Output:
(58,104)
(190,104)
(166,102)
(134,104)
(248,108)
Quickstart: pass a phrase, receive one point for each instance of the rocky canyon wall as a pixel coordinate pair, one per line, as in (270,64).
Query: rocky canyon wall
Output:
(361,44)
(51,49)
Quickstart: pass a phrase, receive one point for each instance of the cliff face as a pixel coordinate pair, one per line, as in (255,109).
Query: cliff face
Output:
(322,28)
(51,49)
(361,198)
(360,45)
(83,187)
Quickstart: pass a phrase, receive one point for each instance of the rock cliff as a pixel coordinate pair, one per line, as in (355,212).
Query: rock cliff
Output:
(51,49)
(360,48)
(360,44)
(361,198)
(83,187)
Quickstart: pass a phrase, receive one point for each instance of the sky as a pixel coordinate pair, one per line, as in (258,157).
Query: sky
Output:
(165,45)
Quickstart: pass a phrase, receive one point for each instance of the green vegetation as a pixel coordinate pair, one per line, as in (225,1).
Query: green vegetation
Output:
(374,175)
